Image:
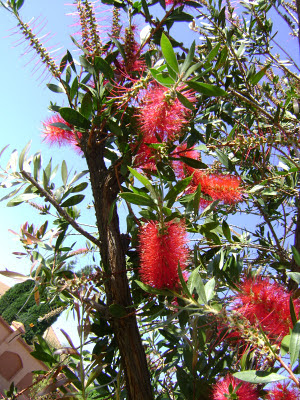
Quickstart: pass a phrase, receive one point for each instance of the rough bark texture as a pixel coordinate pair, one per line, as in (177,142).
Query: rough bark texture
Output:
(105,190)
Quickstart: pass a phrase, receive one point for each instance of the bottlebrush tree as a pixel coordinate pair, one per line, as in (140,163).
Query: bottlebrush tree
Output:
(198,298)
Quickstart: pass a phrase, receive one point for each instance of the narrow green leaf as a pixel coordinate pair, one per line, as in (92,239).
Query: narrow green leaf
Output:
(212,54)
(80,187)
(209,208)
(144,181)
(207,89)
(177,189)
(254,79)
(22,155)
(103,66)
(64,172)
(183,283)
(86,105)
(189,58)
(296,255)
(293,312)
(210,289)
(138,199)
(150,289)
(183,100)
(225,160)
(258,377)
(191,162)
(72,201)
(86,65)
(168,52)
(163,78)
(195,282)
(295,276)
(74,117)
(285,345)
(56,88)
(74,88)
(295,343)
(226,231)
(20,199)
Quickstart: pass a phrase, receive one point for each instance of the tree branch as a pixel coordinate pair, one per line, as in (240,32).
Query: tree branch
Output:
(59,209)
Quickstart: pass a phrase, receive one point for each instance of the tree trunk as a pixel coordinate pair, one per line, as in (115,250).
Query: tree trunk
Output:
(105,190)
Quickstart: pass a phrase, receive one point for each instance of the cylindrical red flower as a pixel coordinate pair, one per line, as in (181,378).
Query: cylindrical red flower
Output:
(224,388)
(283,392)
(163,117)
(266,303)
(161,249)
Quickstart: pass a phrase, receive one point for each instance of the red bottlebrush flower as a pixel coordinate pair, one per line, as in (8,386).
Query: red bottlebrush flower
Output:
(226,386)
(219,187)
(59,135)
(282,392)
(266,304)
(160,252)
(163,117)
(145,158)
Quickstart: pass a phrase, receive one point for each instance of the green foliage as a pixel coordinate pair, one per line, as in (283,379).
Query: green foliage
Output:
(18,304)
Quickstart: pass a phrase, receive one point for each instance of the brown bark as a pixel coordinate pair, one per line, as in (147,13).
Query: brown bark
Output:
(105,190)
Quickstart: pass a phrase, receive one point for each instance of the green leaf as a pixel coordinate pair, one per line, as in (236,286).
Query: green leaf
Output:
(191,162)
(74,88)
(144,181)
(285,345)
(189,59)
(224,160)
(72,201)
(42,356)
(254,79)
(117,311)
(183,100)
(64,172)
(86,65)
(207,89)
(150,289)
(22,155)
(177,189)
(295,343)
(258,377)
(226,231)
(210,289)
(80,187)
(162,77)
(295,276)
(86,105)
(20,199)
(195,282)
(296,255)
(74,117)
(103,66)
(183,283)
(293,312)
(209,208)
(212,54)
(168,52)
(138,199)
(56,88)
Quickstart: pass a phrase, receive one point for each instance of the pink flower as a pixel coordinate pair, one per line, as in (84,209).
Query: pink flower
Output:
(226,386)
(266,304)
(282,392)
(162,117)
(59,135)
(161,249)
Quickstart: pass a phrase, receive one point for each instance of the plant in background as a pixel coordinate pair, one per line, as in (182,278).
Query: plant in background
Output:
(198,299)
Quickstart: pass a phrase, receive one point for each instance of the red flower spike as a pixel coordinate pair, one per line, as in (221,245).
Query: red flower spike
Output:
(56,135)
(219,187)
(163,117)
(224,387)
(160,253)
(266,304)
(282,392)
